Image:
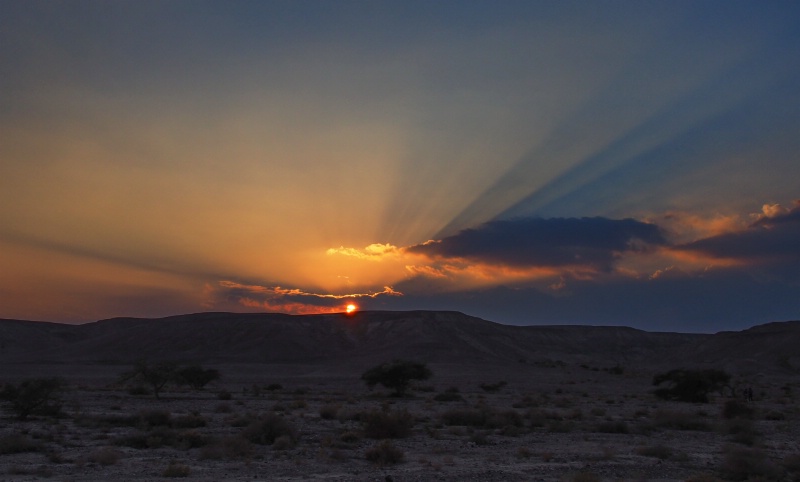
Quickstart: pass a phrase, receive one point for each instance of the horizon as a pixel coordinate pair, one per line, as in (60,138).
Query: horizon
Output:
(529,163)
(346,314)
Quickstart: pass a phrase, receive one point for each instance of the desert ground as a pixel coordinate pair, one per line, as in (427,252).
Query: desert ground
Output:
(524,421)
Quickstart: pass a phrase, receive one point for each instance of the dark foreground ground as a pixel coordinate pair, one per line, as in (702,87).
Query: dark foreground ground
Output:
(293,422)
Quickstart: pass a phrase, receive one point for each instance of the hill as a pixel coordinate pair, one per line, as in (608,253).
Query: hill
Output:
(436,337)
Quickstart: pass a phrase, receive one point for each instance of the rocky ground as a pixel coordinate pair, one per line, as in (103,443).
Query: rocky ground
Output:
(264,422)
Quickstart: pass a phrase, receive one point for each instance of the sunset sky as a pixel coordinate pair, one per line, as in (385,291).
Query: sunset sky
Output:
(528,162)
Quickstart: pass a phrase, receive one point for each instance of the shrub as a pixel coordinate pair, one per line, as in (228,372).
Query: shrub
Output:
(658,451)
(192,420)
(385,453)
(36,396)
(449,395)
(176,470)
(618,426)
(741,463)
(156,376)
(690,385)
(17,443)
(196,376)
(737,409)
(267,428)
(396,375)
(680,421)
(493,387)
(742,431)
(380,425)
(224,395)
(329,411)
(104,456)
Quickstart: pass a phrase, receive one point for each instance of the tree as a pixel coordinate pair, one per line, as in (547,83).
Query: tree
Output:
(690,385)
(396,375)
(196,376)
(36,396)
(157,376)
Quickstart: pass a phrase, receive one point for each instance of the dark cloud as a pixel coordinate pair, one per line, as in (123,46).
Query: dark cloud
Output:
(527,242)
(717,300)
(771,239)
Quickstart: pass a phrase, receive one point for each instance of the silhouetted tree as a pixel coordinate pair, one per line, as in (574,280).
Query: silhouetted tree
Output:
(196,376)
(396,375)
(36,396)
(157,376)
(690,385)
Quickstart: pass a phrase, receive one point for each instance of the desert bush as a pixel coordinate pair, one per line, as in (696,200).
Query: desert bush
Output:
(157,376)
(329,411)
(792,463)
(658,451)
(284,442)
(690,385)
(742,431)
(192,420)
(196,376)
(349,437)
(104,456)
(680,421)
(273,387)
(774,415)
(479,438)
(16,443)
(232,448)
(618,426)
(470,417)
(156,418)
(35,396)
(396,375)
(743,463)
(737,409)
(380,424)
(267,428)
(175,469)
(384,453)
(493,387)
(449,395)
(224,395)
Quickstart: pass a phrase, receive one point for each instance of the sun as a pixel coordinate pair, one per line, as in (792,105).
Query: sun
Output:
(351,308)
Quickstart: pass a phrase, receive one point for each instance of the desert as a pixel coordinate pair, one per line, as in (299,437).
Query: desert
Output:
(502,402)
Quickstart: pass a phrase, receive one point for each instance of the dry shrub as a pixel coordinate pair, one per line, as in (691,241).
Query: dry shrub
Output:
(156,418)
(176,470)
(617,426)
(450,395)
(743,463)
(484,417)
(266,429)
(104,456)
(193,420)
(741,431)
(284,442)
(233,448)
(658,451)
(680,421)
(16,443)
(774,415)
(329,411)
(384,453)
(585,477)
(387,424)
(792,463)
(737,409)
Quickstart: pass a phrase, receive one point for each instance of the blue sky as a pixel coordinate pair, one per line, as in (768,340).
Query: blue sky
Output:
(610,162)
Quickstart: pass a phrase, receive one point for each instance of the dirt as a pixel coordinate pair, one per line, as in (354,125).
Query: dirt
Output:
(561,422)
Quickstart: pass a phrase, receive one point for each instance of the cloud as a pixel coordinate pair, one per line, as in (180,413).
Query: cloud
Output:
(773,238)
(373,252)
(288,300)
(592,243)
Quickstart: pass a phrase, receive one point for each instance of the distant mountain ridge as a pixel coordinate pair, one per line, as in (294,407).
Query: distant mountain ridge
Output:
(430,336)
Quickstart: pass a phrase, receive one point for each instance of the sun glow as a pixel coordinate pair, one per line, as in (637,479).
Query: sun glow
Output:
(351,308)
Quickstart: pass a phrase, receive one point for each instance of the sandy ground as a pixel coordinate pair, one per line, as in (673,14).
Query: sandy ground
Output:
(547,423)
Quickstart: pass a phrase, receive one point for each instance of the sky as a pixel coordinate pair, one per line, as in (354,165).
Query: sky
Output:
(528,162)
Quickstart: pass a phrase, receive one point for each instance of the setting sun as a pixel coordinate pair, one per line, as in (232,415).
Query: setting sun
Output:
(351,308)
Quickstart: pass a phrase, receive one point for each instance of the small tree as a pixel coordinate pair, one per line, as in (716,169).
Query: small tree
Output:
(157,376)
(37,396)
(396,375)
(690,385)
(196,376)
